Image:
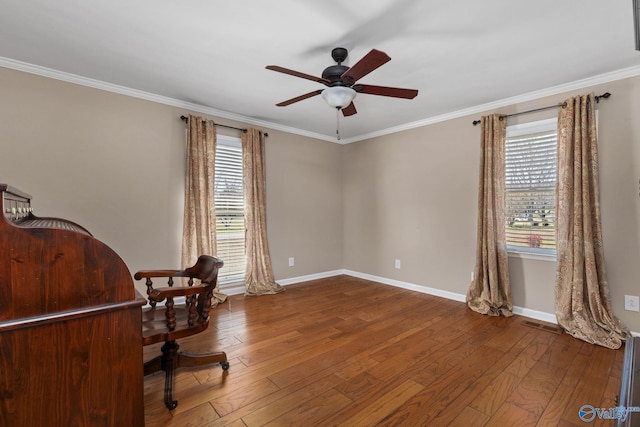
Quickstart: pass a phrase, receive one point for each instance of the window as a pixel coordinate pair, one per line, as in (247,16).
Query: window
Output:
(530,171)
(229,204)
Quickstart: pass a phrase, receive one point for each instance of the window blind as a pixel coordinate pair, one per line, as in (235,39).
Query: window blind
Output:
(530,172)
(229,206)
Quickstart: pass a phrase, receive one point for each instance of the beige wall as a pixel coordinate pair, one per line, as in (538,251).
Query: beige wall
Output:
(304,204)
(412,196)
(405,200)
(115,164)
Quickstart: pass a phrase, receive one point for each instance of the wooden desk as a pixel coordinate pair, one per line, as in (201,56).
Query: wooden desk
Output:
(70,325)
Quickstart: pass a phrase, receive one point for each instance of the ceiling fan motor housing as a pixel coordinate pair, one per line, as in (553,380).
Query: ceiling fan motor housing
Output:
(333,73)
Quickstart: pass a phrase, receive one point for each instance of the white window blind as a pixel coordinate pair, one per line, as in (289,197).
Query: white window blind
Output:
(229,205)
(530,171)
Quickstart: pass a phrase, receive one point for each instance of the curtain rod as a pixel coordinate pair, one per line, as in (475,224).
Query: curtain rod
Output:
(186,119)
(562,104)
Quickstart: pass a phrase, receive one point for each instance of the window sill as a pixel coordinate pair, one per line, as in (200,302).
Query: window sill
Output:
(532,255)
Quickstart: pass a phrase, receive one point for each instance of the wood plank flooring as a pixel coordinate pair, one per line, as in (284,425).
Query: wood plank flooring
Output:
(350,352)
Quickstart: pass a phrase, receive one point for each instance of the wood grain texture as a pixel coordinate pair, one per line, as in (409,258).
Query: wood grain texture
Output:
(71,373)
(346,351)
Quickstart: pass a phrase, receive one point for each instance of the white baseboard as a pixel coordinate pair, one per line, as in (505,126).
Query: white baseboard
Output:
(409,286)
(526,312)
(238,288)
(535,314)
(299,279)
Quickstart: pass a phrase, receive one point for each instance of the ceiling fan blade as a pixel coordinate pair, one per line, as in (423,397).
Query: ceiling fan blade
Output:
(298,74)
(395,92)
(349,110)
(367,64)
(299,98)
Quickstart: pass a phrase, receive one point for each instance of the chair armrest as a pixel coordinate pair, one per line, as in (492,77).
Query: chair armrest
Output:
(204,269)
(161,294)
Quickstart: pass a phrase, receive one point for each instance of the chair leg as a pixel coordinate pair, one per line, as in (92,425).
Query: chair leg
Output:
(192,360)
(169,359)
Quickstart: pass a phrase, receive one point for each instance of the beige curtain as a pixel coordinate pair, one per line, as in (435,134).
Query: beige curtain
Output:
(490,290)
(583,307)
(199,224)
(258,273)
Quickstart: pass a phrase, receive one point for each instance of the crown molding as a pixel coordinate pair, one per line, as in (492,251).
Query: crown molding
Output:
(530,96)
(122,90)
(505,102)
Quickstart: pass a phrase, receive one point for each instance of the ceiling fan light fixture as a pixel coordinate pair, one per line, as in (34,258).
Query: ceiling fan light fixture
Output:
(338,96)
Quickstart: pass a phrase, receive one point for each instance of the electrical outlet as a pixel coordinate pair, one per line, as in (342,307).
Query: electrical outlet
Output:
(292,261)
(398,264)
(632,303)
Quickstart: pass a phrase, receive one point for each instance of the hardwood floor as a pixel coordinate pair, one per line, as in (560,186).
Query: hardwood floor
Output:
(346,351)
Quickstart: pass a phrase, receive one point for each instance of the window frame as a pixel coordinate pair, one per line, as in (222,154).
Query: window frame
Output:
(520,129)
(236,143)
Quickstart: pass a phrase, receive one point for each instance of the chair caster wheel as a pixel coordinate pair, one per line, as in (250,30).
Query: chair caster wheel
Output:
(225,366)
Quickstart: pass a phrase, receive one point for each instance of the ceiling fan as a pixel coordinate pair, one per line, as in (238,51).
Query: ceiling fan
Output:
(341,81)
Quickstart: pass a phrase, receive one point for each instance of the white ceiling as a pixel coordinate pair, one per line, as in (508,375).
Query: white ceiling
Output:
(210,55)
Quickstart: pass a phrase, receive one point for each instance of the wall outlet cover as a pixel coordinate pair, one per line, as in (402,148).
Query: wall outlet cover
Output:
(632,302)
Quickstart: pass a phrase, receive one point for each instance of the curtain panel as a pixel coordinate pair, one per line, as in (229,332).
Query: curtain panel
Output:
(199,224)
(490,290)
(583,307)
(259,278)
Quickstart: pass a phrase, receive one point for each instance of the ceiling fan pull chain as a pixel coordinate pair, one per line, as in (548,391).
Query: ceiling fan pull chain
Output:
(338,123)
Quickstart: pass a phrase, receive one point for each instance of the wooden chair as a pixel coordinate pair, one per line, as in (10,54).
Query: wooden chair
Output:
(179,320)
